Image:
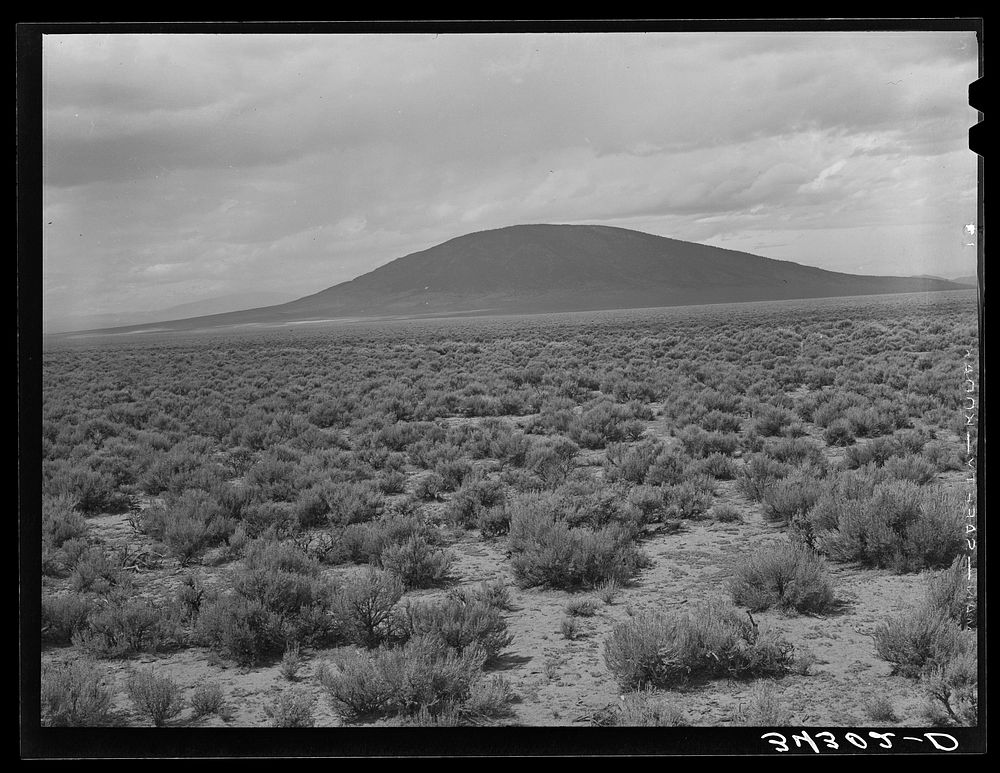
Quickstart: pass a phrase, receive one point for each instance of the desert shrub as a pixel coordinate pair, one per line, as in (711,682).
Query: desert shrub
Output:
(494,521)
(207,699)
(662,649)
(553,460)
(758,475)
(586,501)
(879,708)
(715,465)
(763,708)
(363,543)
(910,442)
(645,504)
(189,595)
(189,524)
(429,487)
(795,430)
(719,421)
(686,500)
(291,708)
(783,575)
(790,498)
(797,451)
(243,629)
(953,592)
(838,433)
(581,608)
(274,478)
(770,420)
(126,625)
(61,522)
(471,500)
(92,492)
(725,514)
(877,451)
(74,695)
(366,608)
(95,571)
(419,676)
(417,563)
(291,661)
(311,508)
(602,423)
(277,598)
(569,627)
(942,456)
(354,502)
(901,525)
(666,470)
(157,697)
(461,624)
(912,467)
(548,552)
(698,443)
(919,640)
(391,481)
(952,692)
(63,616)
(640,709)
(453,473)
(608,590)
(332,413)
(495,594)
(630,462)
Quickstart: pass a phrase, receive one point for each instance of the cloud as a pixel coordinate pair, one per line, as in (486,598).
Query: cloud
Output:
(297,161)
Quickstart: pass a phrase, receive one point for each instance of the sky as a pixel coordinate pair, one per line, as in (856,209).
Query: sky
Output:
(180,167)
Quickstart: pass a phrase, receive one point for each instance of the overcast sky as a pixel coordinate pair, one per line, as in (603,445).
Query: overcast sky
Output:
(182,167)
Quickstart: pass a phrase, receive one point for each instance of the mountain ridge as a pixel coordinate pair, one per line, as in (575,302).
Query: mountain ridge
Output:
(538,268)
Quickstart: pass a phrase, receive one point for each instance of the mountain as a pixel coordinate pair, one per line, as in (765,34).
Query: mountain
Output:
(217,305)
(972,280)
(548,268)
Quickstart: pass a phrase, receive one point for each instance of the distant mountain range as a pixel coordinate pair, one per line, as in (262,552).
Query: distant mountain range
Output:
(217,305)
(552,268)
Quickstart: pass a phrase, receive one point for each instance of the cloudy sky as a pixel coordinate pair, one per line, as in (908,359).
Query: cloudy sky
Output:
(184,167)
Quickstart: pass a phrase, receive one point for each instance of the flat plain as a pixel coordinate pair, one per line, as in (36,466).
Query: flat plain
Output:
(746,514)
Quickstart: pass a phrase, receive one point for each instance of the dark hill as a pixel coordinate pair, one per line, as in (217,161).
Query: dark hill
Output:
(545,268)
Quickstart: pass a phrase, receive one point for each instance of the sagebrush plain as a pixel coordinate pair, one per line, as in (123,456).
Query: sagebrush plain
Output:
(723,515)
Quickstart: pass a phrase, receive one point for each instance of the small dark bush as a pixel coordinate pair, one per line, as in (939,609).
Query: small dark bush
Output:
(366,608)
(420,676)
(665,649)
(919,640)
(838,433)
(790,498)
(63,616)
(952,691)
(74,695)
(461,624)
(207,699)
(763,709)
(127,625)
(95,571)
(953,591)
(292,708)
(157,697)
(758,476)
(783,575)
(417,563)
(548,552)
(725,514)
(770,420)
(902,525)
